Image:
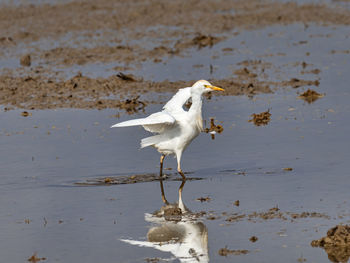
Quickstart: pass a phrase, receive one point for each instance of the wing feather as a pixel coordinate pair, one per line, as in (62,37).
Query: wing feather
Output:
(178,100)
(159,121)
(153,123)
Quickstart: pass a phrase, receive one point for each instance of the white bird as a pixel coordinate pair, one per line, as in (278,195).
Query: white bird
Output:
(181,234)
(175,127)
(187,240)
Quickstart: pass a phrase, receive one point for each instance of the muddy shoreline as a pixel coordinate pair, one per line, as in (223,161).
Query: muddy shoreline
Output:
(130,34)
(53,20)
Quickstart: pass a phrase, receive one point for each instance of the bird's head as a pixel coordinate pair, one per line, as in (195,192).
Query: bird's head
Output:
(203,86)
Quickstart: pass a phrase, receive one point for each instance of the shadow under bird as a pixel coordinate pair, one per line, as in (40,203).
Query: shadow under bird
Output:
(175,128)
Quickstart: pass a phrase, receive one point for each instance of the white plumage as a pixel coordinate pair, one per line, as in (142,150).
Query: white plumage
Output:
(174,126)
(187,239)
(183,235)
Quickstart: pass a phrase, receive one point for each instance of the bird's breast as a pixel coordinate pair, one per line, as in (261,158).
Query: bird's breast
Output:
(189,131)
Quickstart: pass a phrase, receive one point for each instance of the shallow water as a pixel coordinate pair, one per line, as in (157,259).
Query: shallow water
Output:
(47,152)
(42,157)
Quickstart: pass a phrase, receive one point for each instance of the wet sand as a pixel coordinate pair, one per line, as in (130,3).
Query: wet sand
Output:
(268,185)
(129,35)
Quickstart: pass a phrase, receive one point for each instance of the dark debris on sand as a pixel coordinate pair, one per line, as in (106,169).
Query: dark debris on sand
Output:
(126,77)
(214,128)
(253,239)
(35,259)
(26,60)
(83,92)
(296,83)
(133,105)
(336,243)
(204,40)
(310,96)
(203,199)
(152,260)
(131,179)
(273,213)
(260,119)
(225,252)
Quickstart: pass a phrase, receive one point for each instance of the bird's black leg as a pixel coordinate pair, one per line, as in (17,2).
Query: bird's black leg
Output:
(161,165)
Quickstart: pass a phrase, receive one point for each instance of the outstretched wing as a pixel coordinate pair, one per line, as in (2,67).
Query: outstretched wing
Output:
(159,121)
(156,122)
(178,100)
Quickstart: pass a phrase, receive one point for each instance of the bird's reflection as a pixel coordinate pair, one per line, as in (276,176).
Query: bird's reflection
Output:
(176,230)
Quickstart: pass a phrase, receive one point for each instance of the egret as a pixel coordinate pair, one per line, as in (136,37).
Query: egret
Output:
(175,128)
(180,233)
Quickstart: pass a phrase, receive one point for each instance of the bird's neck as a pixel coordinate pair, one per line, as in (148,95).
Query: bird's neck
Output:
(196,110)
(196,107)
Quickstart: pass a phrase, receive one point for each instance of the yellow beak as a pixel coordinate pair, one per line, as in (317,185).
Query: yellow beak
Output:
(215,88)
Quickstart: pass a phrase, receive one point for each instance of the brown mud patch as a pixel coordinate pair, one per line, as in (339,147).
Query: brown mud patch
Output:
(315,71)
(38,92)
(126,77)
(26,114)
(205,40)
(347,51)
(116,31)
(253,239)
(273,213)
(203,199)
(310,96)
(69,56)
(214,128)
(173,36)
(132,106)
(49,20)
(245,72)
(260,119)
(133,179)
(336,243)
(225,252)
(25,60)
(153,260)
(35,259)
(297,83)
(129,33)
(200,41)
(249,77)
(253,73)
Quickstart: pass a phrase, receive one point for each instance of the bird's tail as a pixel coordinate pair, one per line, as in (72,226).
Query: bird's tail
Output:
(150,141)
